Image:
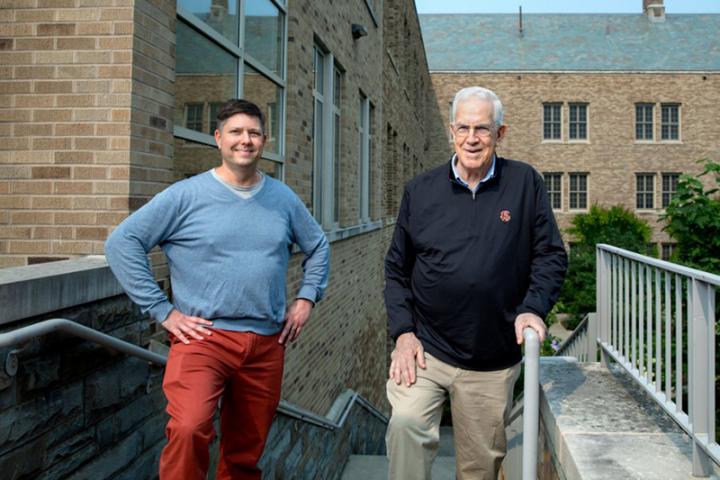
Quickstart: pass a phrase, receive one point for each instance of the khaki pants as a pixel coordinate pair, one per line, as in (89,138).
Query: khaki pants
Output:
(480,403)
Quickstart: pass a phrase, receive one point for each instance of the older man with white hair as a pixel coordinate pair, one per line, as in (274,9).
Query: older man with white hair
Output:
(475,258)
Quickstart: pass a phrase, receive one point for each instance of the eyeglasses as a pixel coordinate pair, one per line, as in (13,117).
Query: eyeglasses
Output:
(463,131)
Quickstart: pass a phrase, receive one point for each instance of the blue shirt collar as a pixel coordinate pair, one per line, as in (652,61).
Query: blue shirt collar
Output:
(487,177)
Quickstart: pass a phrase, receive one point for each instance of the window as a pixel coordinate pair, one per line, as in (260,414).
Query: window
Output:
(667,251)
(327,95)
(337,154)
(554,189)
(551,121)
(578,191)
(228,50)
(645,189)
(578,121)
(272,122)
(643,121)
(364,159)
(214,108)
(669,187)
(318,129)
(194,116)
(669,122)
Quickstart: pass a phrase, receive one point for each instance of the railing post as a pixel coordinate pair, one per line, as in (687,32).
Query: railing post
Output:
(531,404)
(702,373)
(602,304)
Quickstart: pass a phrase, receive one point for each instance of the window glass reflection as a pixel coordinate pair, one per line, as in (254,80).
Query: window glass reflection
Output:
(263,92)
(193,158)
(270,168)
(221,15)
(205,75)
(263,33)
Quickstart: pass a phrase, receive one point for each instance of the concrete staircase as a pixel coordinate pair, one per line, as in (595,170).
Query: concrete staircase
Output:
(375,467)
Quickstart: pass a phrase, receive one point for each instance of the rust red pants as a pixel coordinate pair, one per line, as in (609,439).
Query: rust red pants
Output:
(243,368)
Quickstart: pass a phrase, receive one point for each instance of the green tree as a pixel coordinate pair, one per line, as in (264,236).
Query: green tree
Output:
(615,226)
(693,220)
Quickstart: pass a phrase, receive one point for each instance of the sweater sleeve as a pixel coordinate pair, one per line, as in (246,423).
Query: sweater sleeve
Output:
(127,247)
(311,239)
(549,260)
(399,263)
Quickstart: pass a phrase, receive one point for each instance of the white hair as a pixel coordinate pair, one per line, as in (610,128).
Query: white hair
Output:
(481,94)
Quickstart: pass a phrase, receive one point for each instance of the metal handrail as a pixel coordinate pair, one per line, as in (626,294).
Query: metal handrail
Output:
(708,277)
(62,324)
(44,327)
(576,335)
(531,404)
(651,314)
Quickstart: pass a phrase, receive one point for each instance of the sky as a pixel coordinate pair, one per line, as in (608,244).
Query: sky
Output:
(561,6)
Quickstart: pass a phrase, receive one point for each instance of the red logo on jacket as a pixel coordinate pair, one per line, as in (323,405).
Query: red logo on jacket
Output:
(505,216)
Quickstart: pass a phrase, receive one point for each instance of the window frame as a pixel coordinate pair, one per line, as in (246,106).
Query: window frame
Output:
(671,247)
(581,106)
(643,123)
(243,58)
(195,107)
(577,192)
(669,124)
(326,158)
(365,154)
(642,195)
(666,195)
(556,181)
(552,122)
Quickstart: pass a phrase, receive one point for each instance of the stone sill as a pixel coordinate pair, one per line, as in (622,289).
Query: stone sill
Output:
(37,289)
(599,424)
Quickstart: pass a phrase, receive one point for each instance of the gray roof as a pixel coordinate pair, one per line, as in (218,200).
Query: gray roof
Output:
(571,42)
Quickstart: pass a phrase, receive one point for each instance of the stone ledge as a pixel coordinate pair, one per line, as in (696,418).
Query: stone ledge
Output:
(37,289)
(599,424)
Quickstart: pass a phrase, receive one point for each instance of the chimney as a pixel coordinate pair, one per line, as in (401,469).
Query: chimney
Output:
(654,9)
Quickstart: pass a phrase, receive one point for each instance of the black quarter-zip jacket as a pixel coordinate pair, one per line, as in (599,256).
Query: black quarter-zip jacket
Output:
(462,266)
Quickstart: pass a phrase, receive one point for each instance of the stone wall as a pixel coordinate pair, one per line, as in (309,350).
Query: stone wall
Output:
(300,449)
(76,409)
(611,156)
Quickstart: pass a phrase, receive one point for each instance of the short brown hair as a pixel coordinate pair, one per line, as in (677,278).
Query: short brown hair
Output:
(239,105)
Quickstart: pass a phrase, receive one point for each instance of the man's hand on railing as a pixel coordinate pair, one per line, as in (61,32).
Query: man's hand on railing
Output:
(529,320)
(180,325)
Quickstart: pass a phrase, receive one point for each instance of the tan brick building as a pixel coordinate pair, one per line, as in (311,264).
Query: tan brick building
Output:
(106,102)
(610,108)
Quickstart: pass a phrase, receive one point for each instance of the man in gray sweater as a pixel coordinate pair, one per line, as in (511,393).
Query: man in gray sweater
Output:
(227,234)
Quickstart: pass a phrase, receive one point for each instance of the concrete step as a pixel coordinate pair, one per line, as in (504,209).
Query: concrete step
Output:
(375,467)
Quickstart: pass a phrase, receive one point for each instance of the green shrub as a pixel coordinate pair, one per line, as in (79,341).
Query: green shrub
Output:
(615,226)
(693,220)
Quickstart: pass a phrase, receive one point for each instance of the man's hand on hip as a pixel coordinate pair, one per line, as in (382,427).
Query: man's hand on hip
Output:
(529,320)
(295,318)
(180,325)
(408,351)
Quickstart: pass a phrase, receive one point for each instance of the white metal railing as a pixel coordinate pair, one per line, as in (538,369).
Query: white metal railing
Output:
(531,404)
(657,320)
(580,344)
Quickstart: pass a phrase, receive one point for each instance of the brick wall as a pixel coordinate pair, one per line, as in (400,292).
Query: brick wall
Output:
(413,131)
(87,98)
(611,155)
